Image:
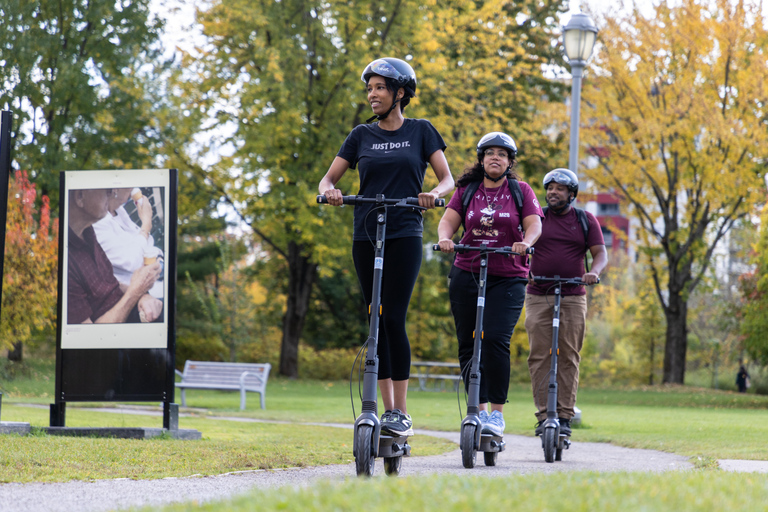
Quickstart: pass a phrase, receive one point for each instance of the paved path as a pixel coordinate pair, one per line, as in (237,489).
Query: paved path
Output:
(523,455)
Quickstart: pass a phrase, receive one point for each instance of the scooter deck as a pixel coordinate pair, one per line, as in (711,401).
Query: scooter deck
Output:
(491,443)
(394,446)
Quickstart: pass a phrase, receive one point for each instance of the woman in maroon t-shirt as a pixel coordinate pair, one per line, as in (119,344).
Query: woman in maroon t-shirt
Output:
(491,217)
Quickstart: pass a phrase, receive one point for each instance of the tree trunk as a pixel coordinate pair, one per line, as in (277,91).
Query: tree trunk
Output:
(302,273)
(17,352)
(677,339)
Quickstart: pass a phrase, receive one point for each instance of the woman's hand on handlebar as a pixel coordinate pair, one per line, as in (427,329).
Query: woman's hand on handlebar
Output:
(590,278)
(446,245)
(427,200)
(520,247)
(334,196)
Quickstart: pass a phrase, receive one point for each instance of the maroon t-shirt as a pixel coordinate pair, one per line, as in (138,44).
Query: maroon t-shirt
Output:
(560,250)
(492,218)
(92,289)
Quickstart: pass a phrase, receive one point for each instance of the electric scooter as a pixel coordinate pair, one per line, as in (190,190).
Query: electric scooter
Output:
(369,442)
(472,439)
(553,441)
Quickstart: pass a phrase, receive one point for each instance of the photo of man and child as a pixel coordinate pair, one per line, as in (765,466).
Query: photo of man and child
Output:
(114,267)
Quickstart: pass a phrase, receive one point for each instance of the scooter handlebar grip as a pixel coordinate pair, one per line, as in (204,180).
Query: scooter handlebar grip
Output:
(435,247)
(440,202)
(322,200)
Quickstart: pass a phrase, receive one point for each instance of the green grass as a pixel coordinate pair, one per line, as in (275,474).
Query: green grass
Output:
(699,423)
(226,446)
(578,492)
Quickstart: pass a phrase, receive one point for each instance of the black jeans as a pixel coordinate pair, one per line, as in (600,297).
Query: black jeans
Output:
(402,261)
(504,299)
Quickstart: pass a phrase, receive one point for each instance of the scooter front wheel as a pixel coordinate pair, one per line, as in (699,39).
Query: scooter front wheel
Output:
(549,442)
(364,456)
(392,465)
(468,449)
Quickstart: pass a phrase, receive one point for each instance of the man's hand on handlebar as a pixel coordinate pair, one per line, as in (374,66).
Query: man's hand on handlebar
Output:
(590,278)
(427,200)
(334,196)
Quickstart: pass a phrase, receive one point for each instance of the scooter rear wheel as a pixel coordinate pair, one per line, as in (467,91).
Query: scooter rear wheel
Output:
(392,465)
(548,441)
(490,458)
(364,456)
(468,450)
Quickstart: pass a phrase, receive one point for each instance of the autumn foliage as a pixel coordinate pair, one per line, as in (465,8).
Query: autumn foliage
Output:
(31,261)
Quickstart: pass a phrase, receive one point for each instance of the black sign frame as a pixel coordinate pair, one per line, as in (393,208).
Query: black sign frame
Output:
(97,374)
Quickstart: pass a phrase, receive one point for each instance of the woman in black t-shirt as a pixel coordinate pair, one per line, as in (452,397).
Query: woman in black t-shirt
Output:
(392,156)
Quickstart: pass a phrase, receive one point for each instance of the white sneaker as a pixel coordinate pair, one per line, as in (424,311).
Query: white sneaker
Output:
(495,424)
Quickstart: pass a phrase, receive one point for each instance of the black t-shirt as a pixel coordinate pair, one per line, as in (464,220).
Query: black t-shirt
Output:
(392,163)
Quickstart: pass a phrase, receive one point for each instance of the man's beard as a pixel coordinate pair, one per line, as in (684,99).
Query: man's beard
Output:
(556,204)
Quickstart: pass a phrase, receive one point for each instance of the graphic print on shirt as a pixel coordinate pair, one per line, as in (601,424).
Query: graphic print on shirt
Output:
(388,147)
(487,228)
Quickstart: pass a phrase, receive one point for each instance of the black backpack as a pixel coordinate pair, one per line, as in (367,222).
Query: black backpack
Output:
(581,215)
(514,188)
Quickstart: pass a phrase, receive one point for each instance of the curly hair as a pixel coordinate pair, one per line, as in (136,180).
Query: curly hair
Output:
(475,173)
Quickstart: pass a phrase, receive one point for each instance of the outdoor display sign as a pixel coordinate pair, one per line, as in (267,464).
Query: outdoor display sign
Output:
(117,278)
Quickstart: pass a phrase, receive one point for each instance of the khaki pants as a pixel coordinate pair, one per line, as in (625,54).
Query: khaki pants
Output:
(538,323)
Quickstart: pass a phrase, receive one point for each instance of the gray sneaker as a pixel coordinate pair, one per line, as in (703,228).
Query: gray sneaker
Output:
(495,424)
(398,424)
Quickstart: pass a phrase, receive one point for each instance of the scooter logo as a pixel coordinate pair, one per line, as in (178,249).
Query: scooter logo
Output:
(378,263)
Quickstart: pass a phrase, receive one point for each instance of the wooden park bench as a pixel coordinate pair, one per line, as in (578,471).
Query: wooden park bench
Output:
(437,371)
(225,377)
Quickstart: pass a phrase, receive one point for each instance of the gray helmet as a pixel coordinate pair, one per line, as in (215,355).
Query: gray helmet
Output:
(564,177)
(395,69)
(499,140)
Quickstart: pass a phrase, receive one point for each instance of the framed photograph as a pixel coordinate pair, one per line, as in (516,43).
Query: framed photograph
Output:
(117,287)
(114,272)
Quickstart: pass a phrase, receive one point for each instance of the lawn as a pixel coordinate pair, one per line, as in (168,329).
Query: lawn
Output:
(702,424)
(578,492)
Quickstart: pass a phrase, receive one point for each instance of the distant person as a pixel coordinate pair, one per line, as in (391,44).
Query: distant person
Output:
(126,243)
(742,379)
(93,293)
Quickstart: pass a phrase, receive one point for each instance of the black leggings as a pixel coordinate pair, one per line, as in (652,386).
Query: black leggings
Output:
(504,299)
(402,261)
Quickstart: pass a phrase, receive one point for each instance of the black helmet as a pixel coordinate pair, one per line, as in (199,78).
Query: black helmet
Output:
(399,71)
(563,177)
(496,139)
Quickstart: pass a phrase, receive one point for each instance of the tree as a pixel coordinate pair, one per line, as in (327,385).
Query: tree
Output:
(678,123)
(482,67)
(754,285)
(281,80)
(30,271)
(74,72)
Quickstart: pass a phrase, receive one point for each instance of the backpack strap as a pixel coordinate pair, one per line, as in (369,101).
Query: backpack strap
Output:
(466,197)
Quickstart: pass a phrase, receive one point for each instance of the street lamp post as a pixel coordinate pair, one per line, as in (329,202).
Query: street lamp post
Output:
(579,40)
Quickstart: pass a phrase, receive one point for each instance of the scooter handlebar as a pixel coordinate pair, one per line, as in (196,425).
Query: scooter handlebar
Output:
(483,248)
(408,201)
(562,280)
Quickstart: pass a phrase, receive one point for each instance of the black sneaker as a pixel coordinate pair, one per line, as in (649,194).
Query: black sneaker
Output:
(398,424)
(565,426)
(385,417)
(540,428)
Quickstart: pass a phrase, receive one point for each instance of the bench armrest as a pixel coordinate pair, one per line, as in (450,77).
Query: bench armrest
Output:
(179,374)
